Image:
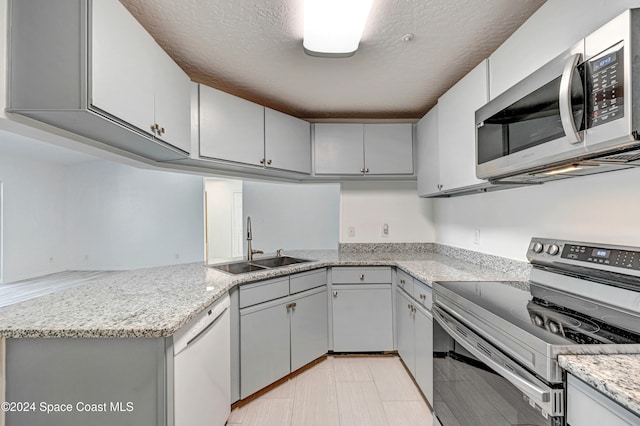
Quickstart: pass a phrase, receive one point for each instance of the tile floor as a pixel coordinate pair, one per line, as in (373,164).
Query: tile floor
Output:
(341,390)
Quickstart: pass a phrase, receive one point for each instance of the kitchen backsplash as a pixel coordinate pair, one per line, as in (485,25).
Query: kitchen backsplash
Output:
(516,267)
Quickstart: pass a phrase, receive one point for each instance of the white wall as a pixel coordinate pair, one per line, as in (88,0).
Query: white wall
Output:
(33,217)
(366,206)
(598,208)
(292,216)
(121,217)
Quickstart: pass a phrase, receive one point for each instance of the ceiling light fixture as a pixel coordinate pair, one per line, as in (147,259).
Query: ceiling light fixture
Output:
(333,28)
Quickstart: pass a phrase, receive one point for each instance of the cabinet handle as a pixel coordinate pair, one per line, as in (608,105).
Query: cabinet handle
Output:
(423,297)
(409,306)
(361,277)
(268,161)
(262,161)
(161,130)
(439,187)
(291,305)
(402,283)
(366,170)
(362,170)
(335,293)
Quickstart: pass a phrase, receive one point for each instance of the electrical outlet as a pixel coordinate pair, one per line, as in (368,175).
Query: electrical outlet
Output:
(351,232)
(385,230)
(476,236)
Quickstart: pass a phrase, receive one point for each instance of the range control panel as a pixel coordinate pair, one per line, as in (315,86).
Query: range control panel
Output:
(598,256)
(621,258)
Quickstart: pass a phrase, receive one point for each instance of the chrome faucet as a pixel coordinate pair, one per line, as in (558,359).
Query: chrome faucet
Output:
(250,251)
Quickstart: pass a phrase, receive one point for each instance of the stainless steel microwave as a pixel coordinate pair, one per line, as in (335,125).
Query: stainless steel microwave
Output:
(578,112)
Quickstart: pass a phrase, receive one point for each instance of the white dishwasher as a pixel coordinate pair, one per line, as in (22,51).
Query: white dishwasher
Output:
(202,368)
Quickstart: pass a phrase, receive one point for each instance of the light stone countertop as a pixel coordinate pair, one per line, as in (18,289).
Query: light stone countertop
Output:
(616,376)
(156,302)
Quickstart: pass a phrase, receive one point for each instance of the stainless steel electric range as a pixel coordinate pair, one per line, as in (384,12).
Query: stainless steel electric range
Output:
(499,361)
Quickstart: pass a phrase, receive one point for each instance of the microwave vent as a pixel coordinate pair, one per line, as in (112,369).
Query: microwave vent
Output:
(622,158)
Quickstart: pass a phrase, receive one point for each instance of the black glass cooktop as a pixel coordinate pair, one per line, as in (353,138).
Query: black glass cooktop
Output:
(550,315)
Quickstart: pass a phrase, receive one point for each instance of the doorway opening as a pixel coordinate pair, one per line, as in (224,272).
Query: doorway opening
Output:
(223,216)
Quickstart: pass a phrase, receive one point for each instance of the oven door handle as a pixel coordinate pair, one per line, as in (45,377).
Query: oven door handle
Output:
(565,104)
(528,388)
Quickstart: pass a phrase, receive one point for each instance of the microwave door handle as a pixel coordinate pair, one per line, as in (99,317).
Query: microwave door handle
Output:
(566,110)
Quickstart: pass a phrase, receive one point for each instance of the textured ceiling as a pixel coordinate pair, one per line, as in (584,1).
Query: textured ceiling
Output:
(253,49)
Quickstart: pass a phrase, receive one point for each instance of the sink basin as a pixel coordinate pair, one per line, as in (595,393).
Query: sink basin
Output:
(243,267)
(276,262)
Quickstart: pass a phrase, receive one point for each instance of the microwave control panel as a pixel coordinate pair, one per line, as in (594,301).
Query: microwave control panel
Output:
(607,86)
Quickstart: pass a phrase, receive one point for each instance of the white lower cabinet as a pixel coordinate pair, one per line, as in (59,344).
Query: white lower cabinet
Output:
(362,318)
(587,406)
(280,336)
(309,329)
(414,336)
(264,346)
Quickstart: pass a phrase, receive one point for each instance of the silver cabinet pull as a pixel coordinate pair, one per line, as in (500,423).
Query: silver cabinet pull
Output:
(402,283)
(366,170)
(335,293)
(262,161)
(361,277)
(291,305)
(423,297)
(268,161)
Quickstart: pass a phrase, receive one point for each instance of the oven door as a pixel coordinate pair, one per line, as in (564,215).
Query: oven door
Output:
(476,384)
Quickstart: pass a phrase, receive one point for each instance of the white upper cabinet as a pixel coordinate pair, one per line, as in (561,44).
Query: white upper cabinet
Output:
(172,101)
(457,130)
(122,65)
(231,128)
(427,162)
(338,149)
(133,79)
(363,149)
(287,142)
(90,68)
(388,149)
(547,33)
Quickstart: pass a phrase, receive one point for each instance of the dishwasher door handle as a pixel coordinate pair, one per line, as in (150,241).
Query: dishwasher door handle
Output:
(207,328)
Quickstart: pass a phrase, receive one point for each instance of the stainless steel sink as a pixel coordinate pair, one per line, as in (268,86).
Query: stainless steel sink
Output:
(276,262)
(243,266)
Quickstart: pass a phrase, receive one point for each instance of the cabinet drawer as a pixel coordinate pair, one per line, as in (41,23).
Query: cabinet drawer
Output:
(405,282)
(263,291)
(308,280)
(423,294)
(364,275)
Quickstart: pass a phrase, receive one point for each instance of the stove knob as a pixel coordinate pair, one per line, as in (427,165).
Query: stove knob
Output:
(553,249)
(537,319)
(554,327)
(537,247)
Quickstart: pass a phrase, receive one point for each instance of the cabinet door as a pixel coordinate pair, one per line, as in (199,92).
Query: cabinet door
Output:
(309,329)
(362,318)
(264,346)
(121,65)
(231,128)
(423,322)
(287,142)
(457,129)
(427,161)
(404,330)
(388,149)
(339,149)
(172,101)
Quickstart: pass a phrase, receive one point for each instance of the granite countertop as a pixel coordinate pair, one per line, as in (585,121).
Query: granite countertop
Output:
(156,302)
(613,375)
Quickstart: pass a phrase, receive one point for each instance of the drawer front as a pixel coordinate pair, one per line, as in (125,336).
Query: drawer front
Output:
(263,291)
(423,294)
(364,275)
(405,282)
(308,280)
